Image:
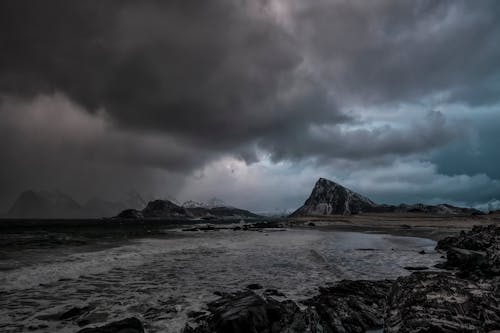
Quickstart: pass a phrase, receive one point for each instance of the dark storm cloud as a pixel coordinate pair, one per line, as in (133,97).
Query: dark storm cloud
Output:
(209,72)
(393,51)
(173,85)
(326,142)
(219,74)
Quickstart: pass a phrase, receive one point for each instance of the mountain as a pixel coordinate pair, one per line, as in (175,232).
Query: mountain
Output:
(194,204)
(164,208)
(330,198)
(212,203)
(190,209)
(44,204)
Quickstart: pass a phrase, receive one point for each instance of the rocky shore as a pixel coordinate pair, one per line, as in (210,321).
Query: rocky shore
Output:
(463,297)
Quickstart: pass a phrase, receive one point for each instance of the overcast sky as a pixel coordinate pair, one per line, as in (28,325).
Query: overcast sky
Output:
(251,101)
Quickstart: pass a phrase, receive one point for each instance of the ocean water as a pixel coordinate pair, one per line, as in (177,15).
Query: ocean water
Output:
(161,279)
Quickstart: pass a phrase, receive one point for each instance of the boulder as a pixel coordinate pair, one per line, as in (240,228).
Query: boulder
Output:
(476,252)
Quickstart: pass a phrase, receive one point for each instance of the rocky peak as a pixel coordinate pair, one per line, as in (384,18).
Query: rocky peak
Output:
(330,198)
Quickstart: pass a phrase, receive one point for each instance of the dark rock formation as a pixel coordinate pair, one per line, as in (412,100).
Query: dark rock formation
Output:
(246,312)
(330,198)
(476,252)
(441,302)
(129,325)
(420,302)
(351,306)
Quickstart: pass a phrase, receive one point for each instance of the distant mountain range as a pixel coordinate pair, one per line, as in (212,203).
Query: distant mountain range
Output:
(327,198)
(56,204)
(330,198)
(190,209)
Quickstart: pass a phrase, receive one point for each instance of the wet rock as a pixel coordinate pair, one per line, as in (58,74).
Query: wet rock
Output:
(128,325)
(421,252)
(351,306)
(246,312)
(441,302)
(311,224)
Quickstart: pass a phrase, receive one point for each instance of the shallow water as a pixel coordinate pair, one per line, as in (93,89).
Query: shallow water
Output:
(160,280)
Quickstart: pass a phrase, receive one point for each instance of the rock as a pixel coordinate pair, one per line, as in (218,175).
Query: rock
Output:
(246,312)
(130,214)
(311,224)
(476,252)
(441,302)
(421,252)
(254,286)
(351,306)
(128,325)
(466,259)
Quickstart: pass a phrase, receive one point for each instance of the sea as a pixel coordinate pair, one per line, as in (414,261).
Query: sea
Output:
(160,276)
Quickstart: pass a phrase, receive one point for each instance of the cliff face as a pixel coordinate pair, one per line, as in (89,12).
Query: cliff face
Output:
(330,198)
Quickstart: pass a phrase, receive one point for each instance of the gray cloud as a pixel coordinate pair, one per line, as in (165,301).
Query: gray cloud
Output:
(147,92)
(394,51)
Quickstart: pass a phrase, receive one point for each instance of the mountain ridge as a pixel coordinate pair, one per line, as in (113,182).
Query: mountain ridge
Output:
(331,198)
(169,209)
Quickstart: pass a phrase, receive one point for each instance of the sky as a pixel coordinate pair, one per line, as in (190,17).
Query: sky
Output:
(251,101)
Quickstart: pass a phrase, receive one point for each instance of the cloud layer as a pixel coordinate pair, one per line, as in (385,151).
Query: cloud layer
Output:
(146,94)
